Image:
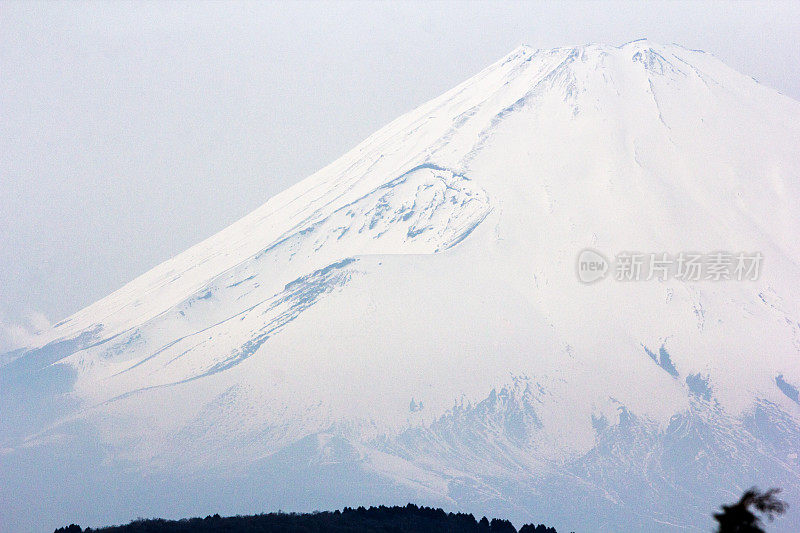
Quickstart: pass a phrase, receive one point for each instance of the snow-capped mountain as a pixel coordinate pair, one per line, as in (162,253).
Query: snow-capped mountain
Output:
(407,323)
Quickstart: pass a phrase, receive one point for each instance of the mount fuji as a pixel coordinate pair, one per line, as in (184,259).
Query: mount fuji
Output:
(407,324)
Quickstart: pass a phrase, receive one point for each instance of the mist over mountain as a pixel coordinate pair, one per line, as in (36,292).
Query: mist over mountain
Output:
(407,324)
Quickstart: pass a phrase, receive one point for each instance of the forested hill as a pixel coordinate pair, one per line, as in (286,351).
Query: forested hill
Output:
(410,518)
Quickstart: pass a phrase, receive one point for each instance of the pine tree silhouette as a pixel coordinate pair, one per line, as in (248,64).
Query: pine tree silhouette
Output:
(738,518)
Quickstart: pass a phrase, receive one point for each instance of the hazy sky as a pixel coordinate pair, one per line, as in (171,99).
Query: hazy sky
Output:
(129,132)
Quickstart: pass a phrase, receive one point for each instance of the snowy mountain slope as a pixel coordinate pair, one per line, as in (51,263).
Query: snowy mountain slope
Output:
(408,323)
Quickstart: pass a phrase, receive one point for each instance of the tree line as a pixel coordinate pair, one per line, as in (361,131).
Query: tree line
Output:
(382,519)
(739,517)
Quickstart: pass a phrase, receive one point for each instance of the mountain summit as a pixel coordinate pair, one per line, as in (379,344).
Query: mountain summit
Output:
(412,322)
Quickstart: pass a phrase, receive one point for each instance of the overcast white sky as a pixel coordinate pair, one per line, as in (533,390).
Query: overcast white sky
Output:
(129,132)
